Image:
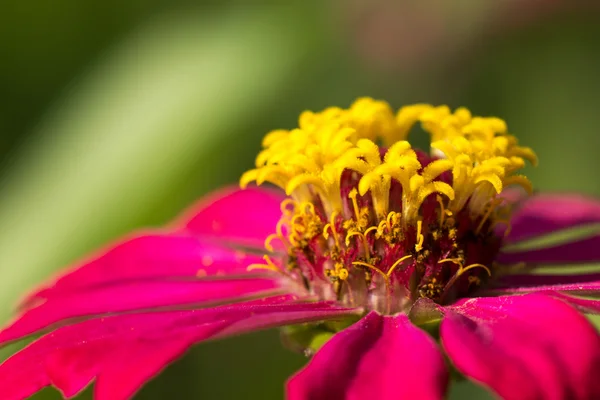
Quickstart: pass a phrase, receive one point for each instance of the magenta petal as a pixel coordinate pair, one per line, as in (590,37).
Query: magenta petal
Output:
(379,358)
(546,213)
(135,296)
(112,349)
(120,366)
(152,256)
(583,284)
(245,216)
(524,347)
(125,375)
(584,305)
(582,251)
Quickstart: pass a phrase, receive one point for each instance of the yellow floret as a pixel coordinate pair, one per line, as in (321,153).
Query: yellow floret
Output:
(309,161)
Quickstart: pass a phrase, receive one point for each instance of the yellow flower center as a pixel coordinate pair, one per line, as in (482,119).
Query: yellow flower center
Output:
(358,189)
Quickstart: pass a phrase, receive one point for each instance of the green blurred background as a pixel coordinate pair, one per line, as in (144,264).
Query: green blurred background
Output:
(118,114)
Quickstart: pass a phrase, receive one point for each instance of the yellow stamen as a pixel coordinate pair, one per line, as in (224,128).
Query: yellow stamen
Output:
(278,235)
(330,227)
(307,207)
(372,267)
(285,207)
(392,216)
(363,239)
(381,227)
(269,265)
(297,223)
(420,237)
(452,260)
(398,262)
(476,266)
(253,267)
(352,195)
(461,270)
(268,241)
(371,229)
(443,211)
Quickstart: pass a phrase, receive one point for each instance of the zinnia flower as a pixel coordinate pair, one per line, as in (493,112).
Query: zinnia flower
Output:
(392,267)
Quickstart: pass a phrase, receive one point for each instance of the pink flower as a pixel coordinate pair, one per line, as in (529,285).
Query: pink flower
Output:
(397,257)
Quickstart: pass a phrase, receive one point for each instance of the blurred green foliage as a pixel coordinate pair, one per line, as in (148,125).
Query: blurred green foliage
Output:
(116,115)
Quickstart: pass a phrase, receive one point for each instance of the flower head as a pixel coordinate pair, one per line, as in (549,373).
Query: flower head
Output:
(380,226)
(378,258)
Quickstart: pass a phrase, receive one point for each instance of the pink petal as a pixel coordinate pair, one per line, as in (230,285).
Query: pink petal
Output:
(524,347)
(142,362)
(547,213)
(245,216)
(582,251)
(71,369)
(584,305)
(379,358)
(583,284)
(123,351)
(135,296)
(151,256)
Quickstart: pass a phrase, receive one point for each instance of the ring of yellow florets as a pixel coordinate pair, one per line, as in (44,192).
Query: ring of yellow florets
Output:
(360,208)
